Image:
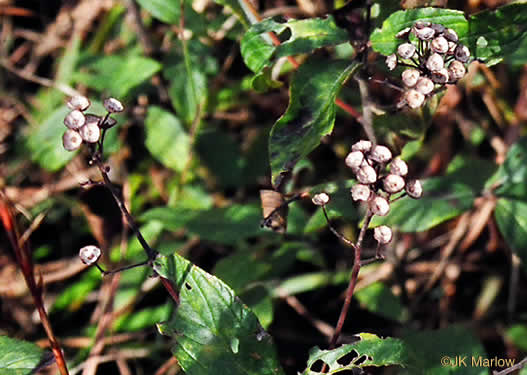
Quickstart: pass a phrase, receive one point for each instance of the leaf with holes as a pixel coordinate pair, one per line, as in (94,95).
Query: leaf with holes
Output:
(214,331)
(369,350)
(19,357)
(511,217)
(310,114)
(307,35)
(383,40)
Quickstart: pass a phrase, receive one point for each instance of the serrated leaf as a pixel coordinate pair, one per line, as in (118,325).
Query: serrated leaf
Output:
(166,139)
(383,40)
(118,75)
(310,114)
(369,350)
(511,217)
(213,330)
(19,357)
(495,34)
(509,179)
(306,35)
(223,225)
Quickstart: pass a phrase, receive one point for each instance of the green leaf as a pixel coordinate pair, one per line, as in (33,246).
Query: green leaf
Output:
(517,334)
(19,357)
(509,179)
(169,11)
(45,142)
(511,217)
(166,139)
(306,35)
(223,225)
(495,34)
(213,331)
(379,299)
(181,91)
(118,75)
(310,114)
(383,40)
(369,350)
(240,9)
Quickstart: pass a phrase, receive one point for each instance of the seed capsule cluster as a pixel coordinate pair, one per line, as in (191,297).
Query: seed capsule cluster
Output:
(85,127)
(433,57)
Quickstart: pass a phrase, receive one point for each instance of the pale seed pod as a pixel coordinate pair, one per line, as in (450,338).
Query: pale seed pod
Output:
(75,119)
(399,167)
(450,35)
(439,45)
(410,77)
(380,154)
(382,234)
(404,33)
(456,70)
(462,53)
(438,28)
(426,33)
(364,146)
(354,159)
(451,48)
(391,61)
(78,102)
(414,189)
(366,175)
(421,24)
(435,62)
(406,50)
(320,199)
(90,132)
(414,98)
(71,140)
(379,206)
(360,192)
(440,76)
(113,105)
(90,119)
(424,85)
(393,183)
(89,254)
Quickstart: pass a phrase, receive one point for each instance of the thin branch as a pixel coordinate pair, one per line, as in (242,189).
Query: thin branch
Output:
(517,366)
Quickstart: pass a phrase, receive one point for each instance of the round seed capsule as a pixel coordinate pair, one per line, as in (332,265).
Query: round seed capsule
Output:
(110,122)
(451,48)
(435,62)
(440,76)
(424,85)
(450,35)
(410,77)
(75,119)
(391,61)
(438,28)
(360,192)
(380,154)
(113,105)
(426,33)
(366,175)
(320,199)
(364,146)
(71,140)
(379,206)
(383,234)
(439,45)
(414,98)
(393,183)
(89,254)
(354,159)
(462,53)
(414,189)
(406,50)
(78,102)
(456,70)
(90,132)
(399,167)
(422,24)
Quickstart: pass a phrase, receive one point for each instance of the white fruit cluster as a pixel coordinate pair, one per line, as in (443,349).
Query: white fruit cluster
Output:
(87,127)
(89,254)
(434,57)
(375,184)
